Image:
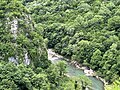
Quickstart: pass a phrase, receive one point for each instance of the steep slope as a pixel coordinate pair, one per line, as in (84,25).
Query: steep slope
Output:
(20,41)
(24,63)
(87,31)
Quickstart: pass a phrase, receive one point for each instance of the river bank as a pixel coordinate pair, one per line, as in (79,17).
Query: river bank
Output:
(88,72)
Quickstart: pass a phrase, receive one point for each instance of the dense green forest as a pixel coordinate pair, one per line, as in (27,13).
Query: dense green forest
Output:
(24,63)
(20,77)
(86,31)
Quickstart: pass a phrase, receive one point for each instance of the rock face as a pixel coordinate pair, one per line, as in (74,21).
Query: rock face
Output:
(14,28)
(20,42)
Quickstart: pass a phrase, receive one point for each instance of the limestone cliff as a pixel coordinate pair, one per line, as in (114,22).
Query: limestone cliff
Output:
(20,41)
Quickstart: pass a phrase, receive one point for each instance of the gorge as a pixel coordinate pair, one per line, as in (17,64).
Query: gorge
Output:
(73,71)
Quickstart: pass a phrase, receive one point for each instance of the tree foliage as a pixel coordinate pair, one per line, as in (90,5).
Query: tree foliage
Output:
(21,77)
(83,30)
(20,39)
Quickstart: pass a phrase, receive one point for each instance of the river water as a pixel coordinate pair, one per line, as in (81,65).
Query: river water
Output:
(73,71)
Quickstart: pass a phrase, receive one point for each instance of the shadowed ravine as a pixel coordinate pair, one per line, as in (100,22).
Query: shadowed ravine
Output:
(73,71)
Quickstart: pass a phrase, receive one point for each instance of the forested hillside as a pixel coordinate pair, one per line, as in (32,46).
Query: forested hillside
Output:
(87,31)
(24,63)
(20,41)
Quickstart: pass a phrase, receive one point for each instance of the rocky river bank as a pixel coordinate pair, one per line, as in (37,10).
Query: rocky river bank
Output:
(88,72)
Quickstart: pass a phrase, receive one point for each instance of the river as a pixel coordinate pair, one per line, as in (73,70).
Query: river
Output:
(73,71)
